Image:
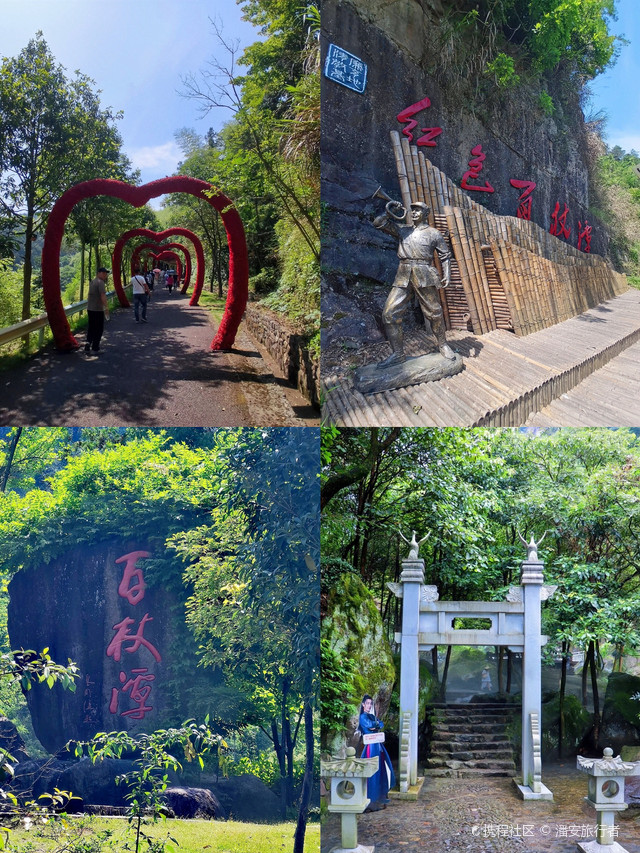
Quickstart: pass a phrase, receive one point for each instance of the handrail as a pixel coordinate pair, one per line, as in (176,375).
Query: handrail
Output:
(33,324)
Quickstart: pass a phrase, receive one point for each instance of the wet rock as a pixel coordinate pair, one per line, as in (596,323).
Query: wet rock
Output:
(193,803)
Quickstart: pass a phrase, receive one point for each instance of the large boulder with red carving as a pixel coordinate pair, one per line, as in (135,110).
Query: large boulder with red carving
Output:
(96,606)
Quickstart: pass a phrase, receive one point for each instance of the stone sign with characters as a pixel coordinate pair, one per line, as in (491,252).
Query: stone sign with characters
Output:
(95,606)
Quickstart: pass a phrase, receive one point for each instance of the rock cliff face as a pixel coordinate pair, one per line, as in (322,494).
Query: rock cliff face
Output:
(400,42)
(95,607)
(354,629)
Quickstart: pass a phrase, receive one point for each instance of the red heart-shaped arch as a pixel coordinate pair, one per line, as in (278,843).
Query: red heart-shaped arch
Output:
(153,249)
(157,236)
(170,256)
(138,196)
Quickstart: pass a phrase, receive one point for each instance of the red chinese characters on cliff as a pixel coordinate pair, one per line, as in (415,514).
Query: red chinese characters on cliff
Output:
(406,117)
(584,233)
(524,199)
(472,174)
(114,649)
(559,222)
(134,593)
(559,227)
(137,683)
(138,691)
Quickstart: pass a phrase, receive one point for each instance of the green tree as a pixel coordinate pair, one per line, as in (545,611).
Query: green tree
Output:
(204,160)
(270,149)
(50,129)
(259,561)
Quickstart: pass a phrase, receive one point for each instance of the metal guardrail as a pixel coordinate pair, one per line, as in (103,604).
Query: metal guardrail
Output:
(39,323)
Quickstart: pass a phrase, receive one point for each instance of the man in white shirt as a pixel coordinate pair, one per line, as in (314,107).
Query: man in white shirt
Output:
(140,293)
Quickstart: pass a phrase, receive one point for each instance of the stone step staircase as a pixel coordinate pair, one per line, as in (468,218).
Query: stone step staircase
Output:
(470,740)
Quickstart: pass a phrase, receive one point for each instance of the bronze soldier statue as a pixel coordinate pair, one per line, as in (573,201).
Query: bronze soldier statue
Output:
(416,273)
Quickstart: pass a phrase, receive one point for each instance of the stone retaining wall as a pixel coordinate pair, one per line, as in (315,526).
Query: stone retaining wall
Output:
(287,347)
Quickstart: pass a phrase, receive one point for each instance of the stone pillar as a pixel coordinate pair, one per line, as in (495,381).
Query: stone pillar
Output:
(531,580)
(412,579)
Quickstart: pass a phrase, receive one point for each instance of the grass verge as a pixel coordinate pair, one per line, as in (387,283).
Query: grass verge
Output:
(192,836)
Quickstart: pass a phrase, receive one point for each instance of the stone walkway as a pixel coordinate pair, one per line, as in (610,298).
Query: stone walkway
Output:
(467,816)
(157,374)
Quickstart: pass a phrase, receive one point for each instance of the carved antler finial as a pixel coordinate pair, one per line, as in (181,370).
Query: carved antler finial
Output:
(414,544)
(532,546)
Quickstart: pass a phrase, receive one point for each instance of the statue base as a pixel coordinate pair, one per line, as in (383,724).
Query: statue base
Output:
(432,367)
(361,848)
(596,847)
(528,793)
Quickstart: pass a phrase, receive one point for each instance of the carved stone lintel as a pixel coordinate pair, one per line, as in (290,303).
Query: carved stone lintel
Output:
(515,593)
(429,593)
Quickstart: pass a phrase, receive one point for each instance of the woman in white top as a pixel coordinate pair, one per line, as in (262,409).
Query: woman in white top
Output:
(140,294)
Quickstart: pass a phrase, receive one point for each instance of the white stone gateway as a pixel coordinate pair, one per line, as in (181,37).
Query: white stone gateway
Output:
(515,624)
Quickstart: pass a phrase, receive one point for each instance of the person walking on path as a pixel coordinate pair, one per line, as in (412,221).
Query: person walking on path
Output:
(485,681)
(140,294)
(97,309)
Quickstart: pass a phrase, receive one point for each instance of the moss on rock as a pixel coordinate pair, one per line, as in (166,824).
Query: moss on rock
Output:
(353,628)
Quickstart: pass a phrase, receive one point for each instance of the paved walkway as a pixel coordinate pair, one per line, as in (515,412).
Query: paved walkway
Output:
(506,378)
(468,816)
(609,397)
(160,373)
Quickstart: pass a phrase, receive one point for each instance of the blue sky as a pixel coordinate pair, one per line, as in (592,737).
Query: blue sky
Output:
(137,51)
(616,91)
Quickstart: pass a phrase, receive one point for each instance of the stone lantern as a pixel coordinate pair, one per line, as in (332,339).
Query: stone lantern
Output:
(606,796)
(348,795)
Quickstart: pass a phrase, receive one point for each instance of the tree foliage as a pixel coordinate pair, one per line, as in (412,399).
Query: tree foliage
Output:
(255,577)
(474,492)
(553,45)
(53,132)
(240,507)
(267,156)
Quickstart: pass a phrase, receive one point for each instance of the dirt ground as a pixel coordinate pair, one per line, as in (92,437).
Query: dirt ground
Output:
(488,816)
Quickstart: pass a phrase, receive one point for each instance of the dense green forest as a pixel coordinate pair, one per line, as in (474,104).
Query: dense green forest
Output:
(55,132)
(232,519)
(619,188)
(474,493)
(546,54)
